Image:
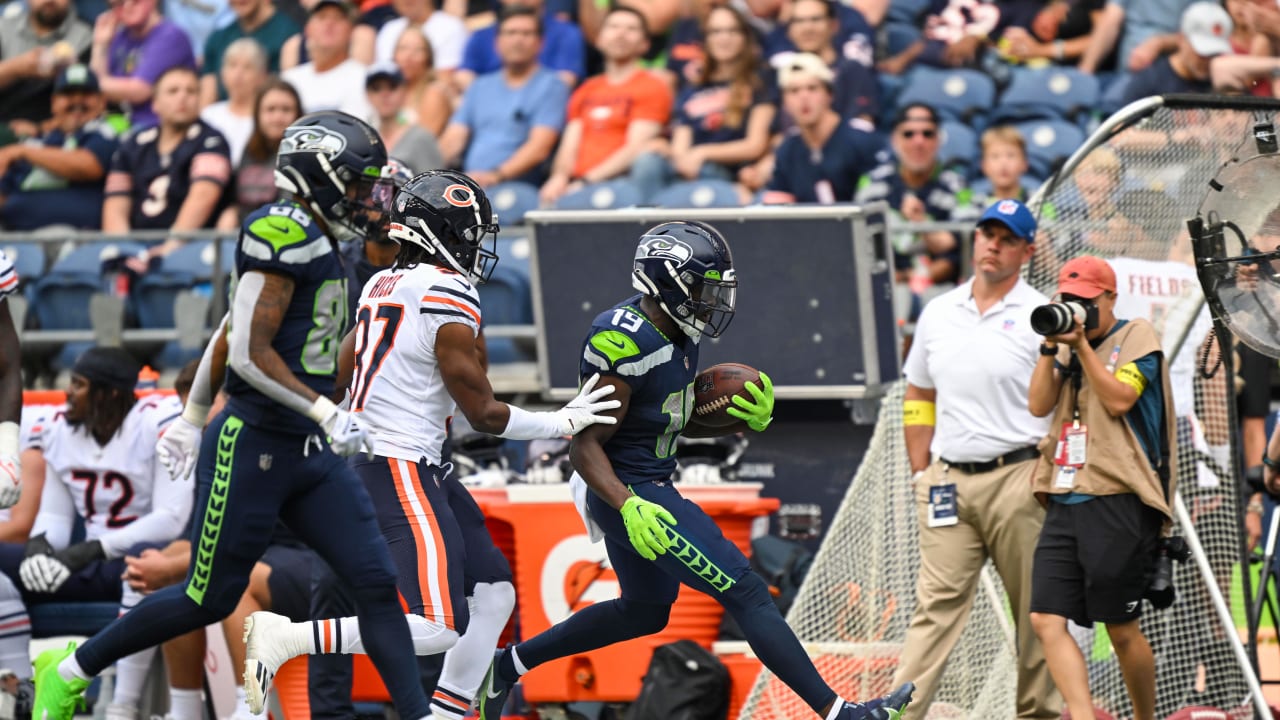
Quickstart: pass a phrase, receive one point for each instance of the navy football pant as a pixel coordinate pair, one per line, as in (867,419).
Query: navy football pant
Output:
(700,557)
(247,477)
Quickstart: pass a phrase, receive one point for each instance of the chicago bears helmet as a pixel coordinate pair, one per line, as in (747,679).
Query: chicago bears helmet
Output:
(447,214)
(332,162)
(687,268)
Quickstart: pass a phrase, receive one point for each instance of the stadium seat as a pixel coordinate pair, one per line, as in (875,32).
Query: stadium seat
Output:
(959,146)
(513,254)
(608,195)
(1049,142)
(28,259)
(61,300)
(963,95)
(88,258)
(1057,93)
(511,200)
(154,295)
(196,259)
(699,194)
(1114,90)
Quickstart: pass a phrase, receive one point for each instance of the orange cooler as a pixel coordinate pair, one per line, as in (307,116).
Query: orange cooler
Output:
(558,570)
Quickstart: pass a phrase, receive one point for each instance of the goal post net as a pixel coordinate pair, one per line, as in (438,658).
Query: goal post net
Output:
(1125,195)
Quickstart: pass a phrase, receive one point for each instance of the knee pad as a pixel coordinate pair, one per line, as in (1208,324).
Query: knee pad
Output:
(494,600)
(645,618)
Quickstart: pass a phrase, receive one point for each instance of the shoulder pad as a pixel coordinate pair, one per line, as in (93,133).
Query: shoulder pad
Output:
(283,232)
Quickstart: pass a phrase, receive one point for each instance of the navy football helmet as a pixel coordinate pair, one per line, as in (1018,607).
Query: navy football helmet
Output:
(687,267)
(447,214)
(333,162)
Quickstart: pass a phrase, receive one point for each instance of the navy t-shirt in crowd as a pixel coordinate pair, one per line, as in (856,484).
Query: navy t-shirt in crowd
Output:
(831,174)
(704,108)
(562,49)
(37,198)
(1158,79)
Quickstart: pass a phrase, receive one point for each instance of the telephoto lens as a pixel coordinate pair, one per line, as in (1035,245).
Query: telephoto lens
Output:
(1056,318)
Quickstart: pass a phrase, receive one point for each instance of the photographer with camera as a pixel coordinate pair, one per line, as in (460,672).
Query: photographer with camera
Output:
(1105,476)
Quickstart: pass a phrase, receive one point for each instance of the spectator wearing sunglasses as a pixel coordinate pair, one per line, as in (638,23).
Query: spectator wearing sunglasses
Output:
(823,157)
(917,187)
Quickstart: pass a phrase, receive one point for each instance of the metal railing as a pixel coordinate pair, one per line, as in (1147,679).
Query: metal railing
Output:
(521,377)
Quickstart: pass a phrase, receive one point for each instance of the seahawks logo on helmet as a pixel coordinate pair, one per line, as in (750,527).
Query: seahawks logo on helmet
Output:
(312,138)
(657,246)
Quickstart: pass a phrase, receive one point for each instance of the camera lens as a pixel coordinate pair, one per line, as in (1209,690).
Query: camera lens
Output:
(1052,319)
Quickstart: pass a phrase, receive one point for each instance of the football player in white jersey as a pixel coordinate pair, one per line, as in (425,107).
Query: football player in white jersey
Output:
(415,362)
(10,390)
(100,466)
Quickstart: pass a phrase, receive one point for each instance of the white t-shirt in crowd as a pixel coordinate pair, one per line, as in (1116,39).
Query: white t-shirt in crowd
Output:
(446,33)
(980,366)
(339,88)
(235,128)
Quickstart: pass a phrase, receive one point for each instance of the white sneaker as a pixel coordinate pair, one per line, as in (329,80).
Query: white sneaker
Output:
(268,645)
(117,711)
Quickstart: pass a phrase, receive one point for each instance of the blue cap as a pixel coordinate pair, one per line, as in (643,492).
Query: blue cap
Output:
(1013,215)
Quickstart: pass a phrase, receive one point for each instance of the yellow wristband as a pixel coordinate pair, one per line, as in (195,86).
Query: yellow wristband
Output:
(918,412)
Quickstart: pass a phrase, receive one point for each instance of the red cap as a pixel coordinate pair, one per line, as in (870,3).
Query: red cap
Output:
(1086,277)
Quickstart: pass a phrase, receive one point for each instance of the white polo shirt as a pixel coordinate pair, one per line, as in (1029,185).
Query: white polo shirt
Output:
(980,366)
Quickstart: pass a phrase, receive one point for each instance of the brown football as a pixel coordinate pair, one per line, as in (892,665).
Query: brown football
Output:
(713,392)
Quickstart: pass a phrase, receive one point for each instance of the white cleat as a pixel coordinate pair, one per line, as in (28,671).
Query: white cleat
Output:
(267,647)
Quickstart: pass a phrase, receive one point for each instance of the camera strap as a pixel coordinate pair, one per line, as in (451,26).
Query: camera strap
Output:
(1075,373)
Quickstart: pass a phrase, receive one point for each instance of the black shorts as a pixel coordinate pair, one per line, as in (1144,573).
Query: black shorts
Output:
(290,580)
(1095,559)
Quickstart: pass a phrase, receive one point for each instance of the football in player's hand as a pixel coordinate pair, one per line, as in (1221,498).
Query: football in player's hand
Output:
(713,392)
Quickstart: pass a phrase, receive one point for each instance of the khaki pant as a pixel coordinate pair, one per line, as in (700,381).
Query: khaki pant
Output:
(998,518)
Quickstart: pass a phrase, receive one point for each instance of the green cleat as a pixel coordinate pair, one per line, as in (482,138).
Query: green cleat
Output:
(56,699)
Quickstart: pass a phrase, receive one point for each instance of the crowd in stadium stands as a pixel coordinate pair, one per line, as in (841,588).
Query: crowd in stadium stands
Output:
(148,115)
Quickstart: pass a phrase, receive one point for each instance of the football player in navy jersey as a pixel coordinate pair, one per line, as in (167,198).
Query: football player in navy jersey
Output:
(274,451)
(169,176)
(646,348)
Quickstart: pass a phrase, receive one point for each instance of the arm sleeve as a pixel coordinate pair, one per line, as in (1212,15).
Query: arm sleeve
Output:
(120,174)
(213,162)
(474,53)
(246,299)
(57,511)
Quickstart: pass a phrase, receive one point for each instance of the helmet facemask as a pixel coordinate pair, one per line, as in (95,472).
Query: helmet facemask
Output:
(471,253)
(700,305)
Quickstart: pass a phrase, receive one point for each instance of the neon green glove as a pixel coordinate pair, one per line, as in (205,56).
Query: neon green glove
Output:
(644,520)
(757,415)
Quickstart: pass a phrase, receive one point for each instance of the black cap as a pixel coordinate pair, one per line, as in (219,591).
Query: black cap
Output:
(384,71)
(76,78)
(905,112)
(347,8)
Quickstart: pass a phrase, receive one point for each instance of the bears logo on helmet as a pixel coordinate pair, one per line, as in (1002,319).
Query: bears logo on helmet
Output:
(459,195)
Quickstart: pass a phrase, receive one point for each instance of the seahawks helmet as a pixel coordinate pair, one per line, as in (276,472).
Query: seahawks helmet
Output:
(688,269)
(447,214)
(397,176)
(332,162)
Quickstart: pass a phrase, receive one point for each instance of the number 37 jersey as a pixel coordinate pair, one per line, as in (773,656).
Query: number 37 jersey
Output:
(623,343)
(396,385)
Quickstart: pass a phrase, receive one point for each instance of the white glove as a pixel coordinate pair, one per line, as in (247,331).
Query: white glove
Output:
(10,480)
(584,410)
(43,573)
(347,435)
(178,448)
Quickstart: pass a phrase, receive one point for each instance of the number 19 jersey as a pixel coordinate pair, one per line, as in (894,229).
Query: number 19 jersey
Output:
(623,343)
(396,385)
